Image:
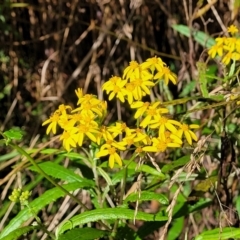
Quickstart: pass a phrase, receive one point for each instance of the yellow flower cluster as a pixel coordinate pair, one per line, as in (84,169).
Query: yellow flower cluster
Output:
(155,131)
(228,48)
(137,79)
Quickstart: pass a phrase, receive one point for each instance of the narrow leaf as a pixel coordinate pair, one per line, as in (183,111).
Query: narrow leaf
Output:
(85,233)
(147,196)
(202,38)
(216,234)
(107,214)
(176,164)
(19,232)
(60,172)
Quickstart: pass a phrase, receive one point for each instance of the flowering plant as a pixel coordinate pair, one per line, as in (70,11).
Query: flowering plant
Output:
(121,165)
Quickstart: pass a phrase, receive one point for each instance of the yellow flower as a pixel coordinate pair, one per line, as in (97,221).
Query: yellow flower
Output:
(119,128)
(79,93)
(141,136)
(89,107)
(105,134)
(63,109)
(152,63)
(151,113)
(128,71)
(163,123)
(188,133)
(68,138)
(118,89)
(113,155)
(110,84)
(160,145)
(141,108)
(165,74)
(90,130)
(171,138)
(129,139)
(235,56)
(53,120)
(227,58)
(214,50)
(232,29)
(231,44)
(110,148)
(141,88)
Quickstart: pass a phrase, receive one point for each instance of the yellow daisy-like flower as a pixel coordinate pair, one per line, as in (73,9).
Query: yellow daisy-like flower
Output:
(163,123)
(160,145)
(141,108)
(214,50)
(141,88)
(68,138)
(111,148)
(188,133)
(53,122)
(153,63)
(110,84)
(117,89)
(128,71)
(113,155)
(227,58)
(105,134)
(165,74)
(89,130)
(232,29)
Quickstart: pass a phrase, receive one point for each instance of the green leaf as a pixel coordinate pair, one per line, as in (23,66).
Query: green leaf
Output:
(60,172)
(14,134)
(85,233)
(202,38)
(118,176)
(176,164)
(147,196)
(176,229)
(10,155)
(105,176)
(36,205)
(217,233)
(144,168)
(202,78)
(19,232)
(188,89)
(107,214)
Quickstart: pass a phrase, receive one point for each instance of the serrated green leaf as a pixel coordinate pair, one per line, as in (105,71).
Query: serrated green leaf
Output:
(19,232)
(147,196)
(14,134)
(60,172)
(36,205)
(107,214)
(216,234)
(202,38)
(85,233)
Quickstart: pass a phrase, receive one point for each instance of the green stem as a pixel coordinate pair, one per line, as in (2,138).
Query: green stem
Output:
(40,224)
(123,186)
